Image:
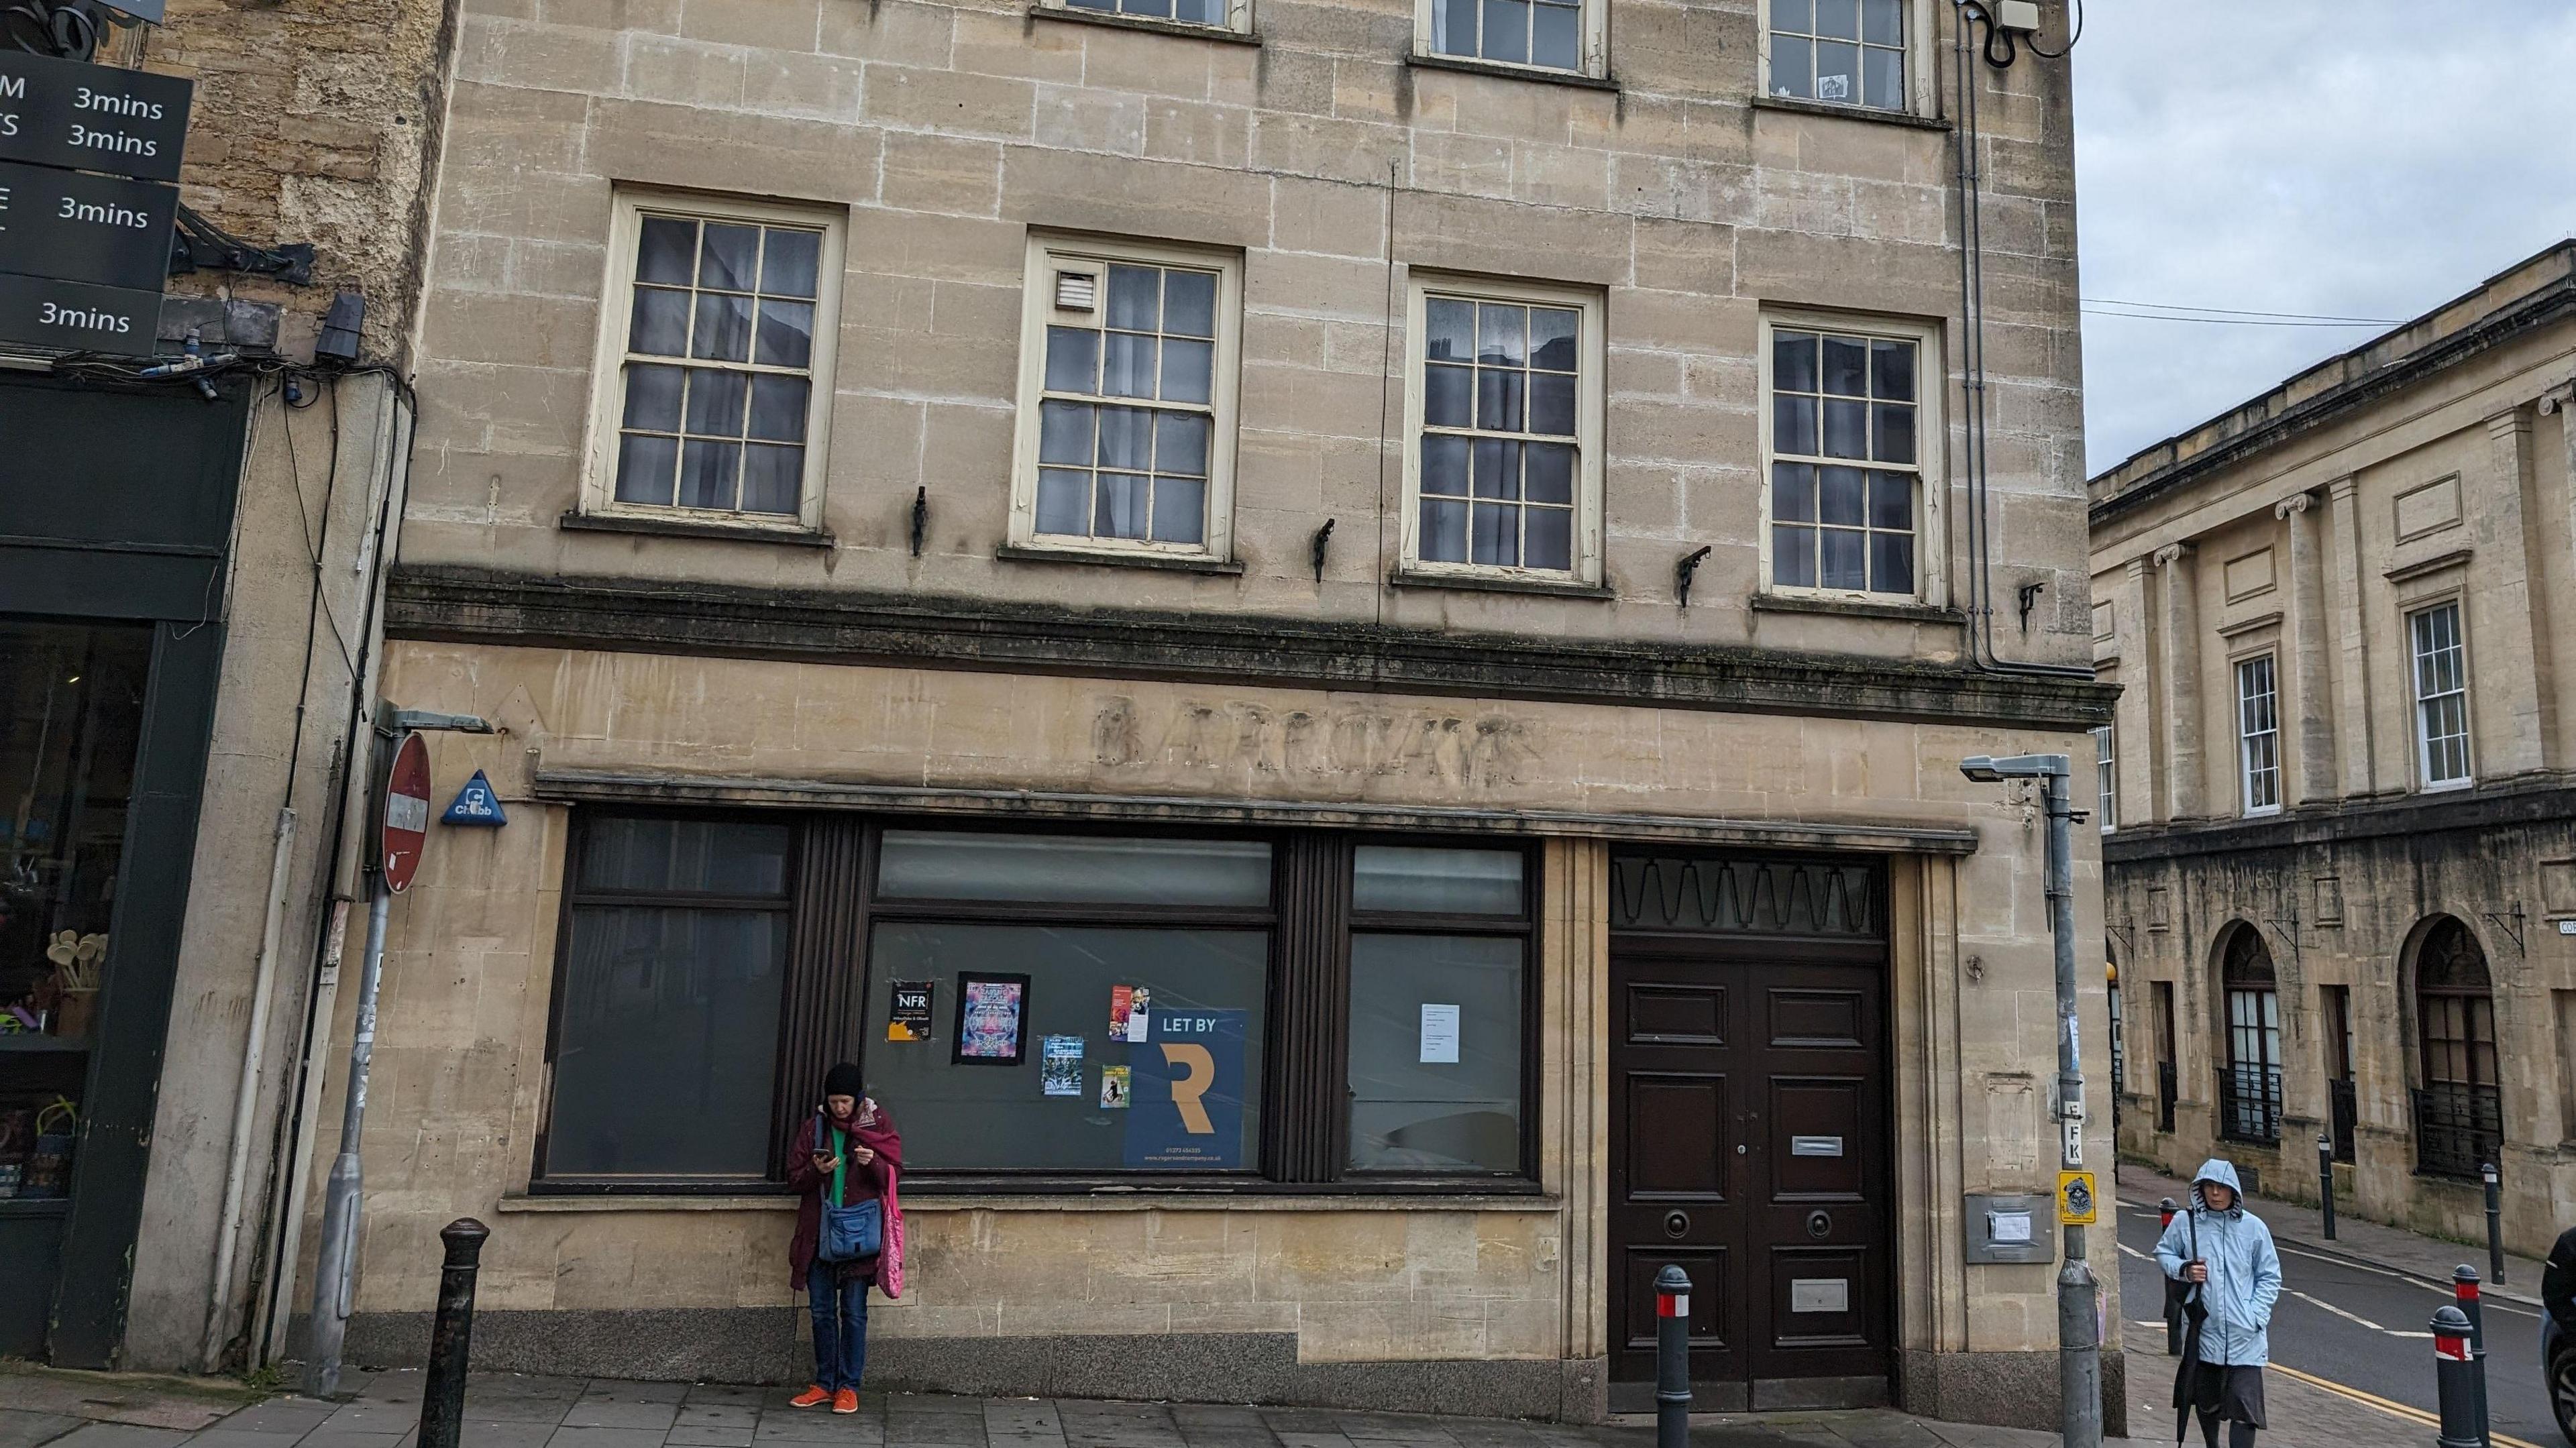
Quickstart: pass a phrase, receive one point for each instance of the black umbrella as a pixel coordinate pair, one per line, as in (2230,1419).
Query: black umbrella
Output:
(2195,1312)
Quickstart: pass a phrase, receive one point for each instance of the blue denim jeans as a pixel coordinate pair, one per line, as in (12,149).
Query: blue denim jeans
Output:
(840,1326)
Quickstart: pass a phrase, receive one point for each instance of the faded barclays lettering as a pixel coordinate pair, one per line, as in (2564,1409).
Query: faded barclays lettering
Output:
(1328,751)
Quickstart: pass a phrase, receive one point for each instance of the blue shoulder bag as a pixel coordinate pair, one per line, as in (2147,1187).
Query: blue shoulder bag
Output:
(849,1233)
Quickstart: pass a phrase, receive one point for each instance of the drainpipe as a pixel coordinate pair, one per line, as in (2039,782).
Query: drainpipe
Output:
(246,1098)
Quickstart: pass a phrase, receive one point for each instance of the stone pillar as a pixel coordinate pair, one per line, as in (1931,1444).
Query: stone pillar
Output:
(2310,695)
(2509,632)
(2139,752)
(2351,642)
(2178,665)
(1574,1101)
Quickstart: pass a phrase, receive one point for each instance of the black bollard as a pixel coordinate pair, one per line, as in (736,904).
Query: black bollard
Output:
(2495,1223)
(2325,1180)
(2466,1298)
(2455,1381)
(451,1338)
(1672,1358)
(2173,1290)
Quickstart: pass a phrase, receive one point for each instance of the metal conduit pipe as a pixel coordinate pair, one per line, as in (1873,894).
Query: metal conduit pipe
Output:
(246,1096)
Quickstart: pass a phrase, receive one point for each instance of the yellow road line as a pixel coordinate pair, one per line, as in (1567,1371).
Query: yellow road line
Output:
(2410,1414)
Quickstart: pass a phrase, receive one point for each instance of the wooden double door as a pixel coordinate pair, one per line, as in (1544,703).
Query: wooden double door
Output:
(1749,1125)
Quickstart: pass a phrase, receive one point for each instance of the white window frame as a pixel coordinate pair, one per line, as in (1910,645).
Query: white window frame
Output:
(1595,32)
(2247,773)
(1931,529)
(1590,378)
(616,314)
(2106,776)
(1238,16)
(1921,79)
(1049,254)
(2415,657)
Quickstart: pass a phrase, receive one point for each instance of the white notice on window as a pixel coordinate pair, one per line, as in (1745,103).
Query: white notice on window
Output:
(1439,1035)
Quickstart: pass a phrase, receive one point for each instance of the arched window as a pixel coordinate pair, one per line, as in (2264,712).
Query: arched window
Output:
(2459,1113)
(2249,1089)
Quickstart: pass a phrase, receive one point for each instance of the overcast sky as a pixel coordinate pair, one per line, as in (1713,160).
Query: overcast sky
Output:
(2358,158)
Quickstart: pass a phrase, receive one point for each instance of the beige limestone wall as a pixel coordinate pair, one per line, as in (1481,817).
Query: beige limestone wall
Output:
(470,963)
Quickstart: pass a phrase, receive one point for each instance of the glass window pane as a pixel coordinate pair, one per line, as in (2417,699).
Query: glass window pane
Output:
(1553,331)
(1497,536)
(716,401)
(1435,1053)
(786,334)
(1127,365)
(1498,399)
(1837,70)
(1842,559)
(684,856)
(790,262)
(1882,22)
(1793,492)
(1450,330)
(1555,36)
(1506,34)
(1793,361)
(1126,438)
(1891,501)
(1064,502)
(1840,496)
(1079,869)
(1181,443)
(1498,468)
(1793,424)
(1187,369)
(1838,18)
(773,478)
(1891,371)
(1547,538)
(1448,396)
(1551,473)
(723,332)
(1119,505)
(1882,78)
(1846,366)
(1208,990)
(653,397)
(1064,433)
(1189,303)
(728,256)
(1502,335)
(1846,428)
(666,251)
(1135,298)
(688,1001)
(646,467)
(778,407)
(1793,556)
(1551,404)
(1891,562)
(1156,9)
(707,473)
(1444,531)
(659,325)
(1894,427)
(1072,360)
(1797,15)
(1793,63)
(1453,27)
(1180,509)
(1444,465)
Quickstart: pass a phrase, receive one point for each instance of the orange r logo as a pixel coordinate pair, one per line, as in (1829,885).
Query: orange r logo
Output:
(1187,1090)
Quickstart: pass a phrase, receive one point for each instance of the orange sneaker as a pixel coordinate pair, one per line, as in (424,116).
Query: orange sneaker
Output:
(846,1401)
(813,1397)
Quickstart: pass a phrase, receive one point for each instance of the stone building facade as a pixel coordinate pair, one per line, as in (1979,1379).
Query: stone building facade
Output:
(2341,863)
(1436,548)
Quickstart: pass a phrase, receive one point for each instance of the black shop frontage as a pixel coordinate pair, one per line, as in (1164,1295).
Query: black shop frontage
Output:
(116,517)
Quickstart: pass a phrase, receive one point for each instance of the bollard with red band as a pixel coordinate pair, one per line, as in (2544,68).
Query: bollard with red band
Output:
(2454,1380)
(1672,1358)
(2165,1210)
(2464,1290)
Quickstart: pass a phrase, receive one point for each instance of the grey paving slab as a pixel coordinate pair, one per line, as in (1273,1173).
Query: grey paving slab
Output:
(606,1412)
(728,1394)
(684,1436)
(579,1436)
(228,1436)
(21,1428)
(120,1435)
(327,1436)
(280,1415)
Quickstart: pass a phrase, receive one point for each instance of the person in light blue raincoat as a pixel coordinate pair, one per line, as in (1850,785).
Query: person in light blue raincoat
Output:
(2225,1254)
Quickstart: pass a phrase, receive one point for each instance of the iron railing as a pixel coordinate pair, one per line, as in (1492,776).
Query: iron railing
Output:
(2457,1128)
(2249,1103)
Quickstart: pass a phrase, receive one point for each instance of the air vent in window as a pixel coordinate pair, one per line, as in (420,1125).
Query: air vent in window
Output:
(1076,291)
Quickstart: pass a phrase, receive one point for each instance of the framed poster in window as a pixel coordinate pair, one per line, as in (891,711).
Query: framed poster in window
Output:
(991,1010)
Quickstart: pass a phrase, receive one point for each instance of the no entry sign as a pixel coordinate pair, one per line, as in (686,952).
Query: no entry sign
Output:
(406,813)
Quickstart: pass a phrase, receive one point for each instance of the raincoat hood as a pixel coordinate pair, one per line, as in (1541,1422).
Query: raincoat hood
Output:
(2217,1169)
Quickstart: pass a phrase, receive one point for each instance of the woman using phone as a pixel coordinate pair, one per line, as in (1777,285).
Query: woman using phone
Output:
(847,1154)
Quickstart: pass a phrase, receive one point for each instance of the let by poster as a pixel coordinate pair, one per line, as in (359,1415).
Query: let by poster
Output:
(990,1011)
(1187,1095)
(908,1017)
(1060,1065)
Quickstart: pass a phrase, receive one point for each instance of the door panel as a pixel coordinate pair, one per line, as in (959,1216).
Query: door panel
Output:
(1676,1136)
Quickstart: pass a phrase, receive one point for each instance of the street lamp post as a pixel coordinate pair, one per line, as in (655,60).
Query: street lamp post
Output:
(2079,1334)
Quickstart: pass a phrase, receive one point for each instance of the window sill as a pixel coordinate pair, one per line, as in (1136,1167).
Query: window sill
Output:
(1857,608)
(1499,583)
(1574,78)
(1174,562)
(928,1198)
(694,528)
(1849,112)
(1116,21)
(648,1201)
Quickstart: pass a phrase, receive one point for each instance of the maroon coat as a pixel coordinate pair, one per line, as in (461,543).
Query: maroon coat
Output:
(872,1128)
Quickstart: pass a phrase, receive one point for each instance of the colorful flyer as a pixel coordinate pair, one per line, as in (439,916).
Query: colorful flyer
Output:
(990,1009)
(1060,1065)
(1115,1088)
(1128,1005)
(908,1019)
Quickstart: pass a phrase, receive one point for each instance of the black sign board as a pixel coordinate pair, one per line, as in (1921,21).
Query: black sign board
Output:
(85,228)
(79,316)
(92,117)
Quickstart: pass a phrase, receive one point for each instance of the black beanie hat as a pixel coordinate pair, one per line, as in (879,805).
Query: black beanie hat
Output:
(845,1079)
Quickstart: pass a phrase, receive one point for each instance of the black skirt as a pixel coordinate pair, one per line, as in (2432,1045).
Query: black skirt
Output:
(2231,1393)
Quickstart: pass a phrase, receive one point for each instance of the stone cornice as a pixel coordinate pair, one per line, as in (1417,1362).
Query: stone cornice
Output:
(473,605)
(2541,800)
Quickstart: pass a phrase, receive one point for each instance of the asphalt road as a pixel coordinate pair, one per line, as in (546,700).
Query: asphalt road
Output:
(2363,1330)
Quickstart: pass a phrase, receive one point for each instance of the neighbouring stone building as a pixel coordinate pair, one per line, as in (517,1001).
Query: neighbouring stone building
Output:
(2340,835)
(189,594)
(1307,624)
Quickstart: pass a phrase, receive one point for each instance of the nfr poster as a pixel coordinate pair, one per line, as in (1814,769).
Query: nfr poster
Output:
(1187,1109)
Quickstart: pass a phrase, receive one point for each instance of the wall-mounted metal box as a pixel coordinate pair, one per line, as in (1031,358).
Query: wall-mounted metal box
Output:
(2010,1228)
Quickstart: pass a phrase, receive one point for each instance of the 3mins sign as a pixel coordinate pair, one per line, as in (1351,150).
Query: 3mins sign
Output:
(83,256)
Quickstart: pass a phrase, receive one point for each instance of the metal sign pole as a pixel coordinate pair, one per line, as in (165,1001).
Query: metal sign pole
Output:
(2079,1328)
(335,1272)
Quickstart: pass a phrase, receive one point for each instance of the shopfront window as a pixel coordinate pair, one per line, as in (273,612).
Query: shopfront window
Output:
(666,1017)
(71,717)
(1436,1018)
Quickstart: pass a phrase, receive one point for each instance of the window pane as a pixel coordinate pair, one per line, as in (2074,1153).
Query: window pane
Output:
(1551,473)
(716,401)
(1127,365)
(1547,538)
(1792,68)
(685,856)
(1891,501)
(1119,504)
(653,397)
(683,1003)
(1846,428)
(1507,30)
(1453,27)
(1554,36)
(1551,404)
(1793,424)
(1842,560)
(1072,360)
(1498,399)
(1437,881)
(1793,361)
(1187,367)
(1840,496)
(1891,562)
(1444,465)
(1882,22)
(1064,502)
(1846,367)
(1208,990)
(1797,15)
(1894,424)
(728,256)
(1837,71)
(1882,78)
(791,261)
(667,251)
(1135,298)
(1126,438)
(773,478)
(1552,338)
(1083,869)
(1450,330)
(1838,18)
(1457,1002)
(1497,537)
(660,323)
(1891,371)
(1502,335)
(1180,510)
(778,407)
(707,473)
(724,328)
(1064,433)
(1498,468)
(1793,556)
(1181,443)
(1448,396)
(1189,303)
(1444,531)
(645,468)
(1793,492)
(786,334)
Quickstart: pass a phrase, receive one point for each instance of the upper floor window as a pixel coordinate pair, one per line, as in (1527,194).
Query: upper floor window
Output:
(1224,14)
(2441,696)
(1563,35)
(2106,777)
(2258,731)
(721,323)
(1504,404)
(1846,51)
(1843,444)
(1127,391)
